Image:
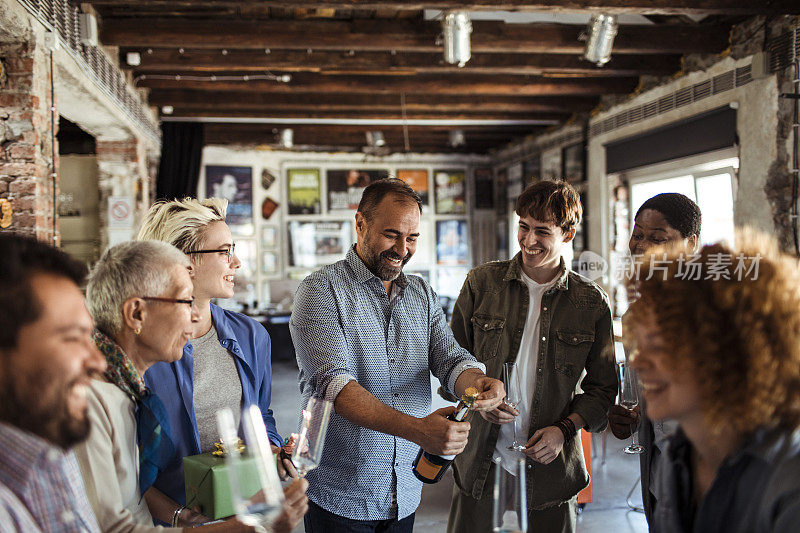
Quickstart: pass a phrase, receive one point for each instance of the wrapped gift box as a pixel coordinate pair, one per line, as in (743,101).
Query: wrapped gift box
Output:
(207,486)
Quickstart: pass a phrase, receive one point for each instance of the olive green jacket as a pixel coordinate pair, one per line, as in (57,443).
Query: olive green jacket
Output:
(488,320)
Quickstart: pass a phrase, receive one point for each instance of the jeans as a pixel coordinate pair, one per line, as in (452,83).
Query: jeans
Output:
(318,520)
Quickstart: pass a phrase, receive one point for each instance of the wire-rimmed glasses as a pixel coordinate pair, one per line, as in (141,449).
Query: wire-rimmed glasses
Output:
(629,399)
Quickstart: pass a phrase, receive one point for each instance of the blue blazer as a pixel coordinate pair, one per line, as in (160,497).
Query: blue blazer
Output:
(249,343)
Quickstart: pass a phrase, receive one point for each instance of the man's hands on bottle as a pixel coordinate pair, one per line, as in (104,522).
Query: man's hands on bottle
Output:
(490,391)
(622,420)
(441,436)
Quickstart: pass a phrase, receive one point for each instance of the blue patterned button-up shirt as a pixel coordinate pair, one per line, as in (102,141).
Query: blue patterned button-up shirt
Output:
(345,327)
(41,482)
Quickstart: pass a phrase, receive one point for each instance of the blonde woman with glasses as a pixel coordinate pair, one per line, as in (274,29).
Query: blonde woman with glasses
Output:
(227,362)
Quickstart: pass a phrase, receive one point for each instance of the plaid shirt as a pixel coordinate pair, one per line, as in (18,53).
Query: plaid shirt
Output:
(345,328)
(40,481)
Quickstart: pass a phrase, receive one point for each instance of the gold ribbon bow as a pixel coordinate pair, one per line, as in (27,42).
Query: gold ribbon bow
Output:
(222,450)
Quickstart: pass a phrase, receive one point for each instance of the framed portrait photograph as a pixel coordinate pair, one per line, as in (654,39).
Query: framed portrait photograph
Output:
(234,184)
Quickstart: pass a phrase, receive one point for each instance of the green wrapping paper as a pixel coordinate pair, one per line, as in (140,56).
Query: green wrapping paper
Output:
(207,485)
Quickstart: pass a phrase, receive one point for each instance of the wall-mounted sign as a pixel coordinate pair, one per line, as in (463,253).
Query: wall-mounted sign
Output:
(120,212)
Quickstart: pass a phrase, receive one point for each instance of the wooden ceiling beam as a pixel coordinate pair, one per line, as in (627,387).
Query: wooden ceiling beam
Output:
(378,102)
(642,7)
(413,101)
(404,63)
(433,85)
(360,113)
(399,35)
(350,129)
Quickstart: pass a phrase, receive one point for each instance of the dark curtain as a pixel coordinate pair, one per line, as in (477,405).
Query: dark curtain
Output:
(181,151)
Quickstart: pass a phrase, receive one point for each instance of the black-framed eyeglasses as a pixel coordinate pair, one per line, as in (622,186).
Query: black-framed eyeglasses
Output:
(228,250)
(190,303)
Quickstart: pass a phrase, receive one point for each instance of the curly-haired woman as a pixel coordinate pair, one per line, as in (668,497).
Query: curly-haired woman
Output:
(719,352)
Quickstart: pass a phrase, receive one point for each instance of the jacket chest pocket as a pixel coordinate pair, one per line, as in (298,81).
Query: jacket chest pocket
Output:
(487,331)
(571,350)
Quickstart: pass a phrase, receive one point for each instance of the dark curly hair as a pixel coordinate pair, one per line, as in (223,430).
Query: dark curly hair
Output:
(739,339)
(680,212)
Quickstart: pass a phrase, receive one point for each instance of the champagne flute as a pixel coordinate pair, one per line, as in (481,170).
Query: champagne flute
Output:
(512,399)
(629,399)
(257,510)
(509,492)
(308,445)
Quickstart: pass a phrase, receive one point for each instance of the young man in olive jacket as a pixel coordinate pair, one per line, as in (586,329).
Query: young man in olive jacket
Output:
(556,325)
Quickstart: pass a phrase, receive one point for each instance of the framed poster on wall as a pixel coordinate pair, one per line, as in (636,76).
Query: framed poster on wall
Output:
(450,192)
(303,191)
(313,244)
(417,180)
(451,243)
(346,186)
(234,184)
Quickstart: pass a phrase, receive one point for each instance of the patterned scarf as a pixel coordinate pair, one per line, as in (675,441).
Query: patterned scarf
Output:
(156,449)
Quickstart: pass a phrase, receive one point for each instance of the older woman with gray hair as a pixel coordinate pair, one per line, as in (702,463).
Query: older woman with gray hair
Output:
(141,297)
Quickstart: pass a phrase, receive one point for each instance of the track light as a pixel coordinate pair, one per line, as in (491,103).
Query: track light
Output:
(457,138)
(167,109)
(287,137)
(375,139)
(456,28)
(600,38)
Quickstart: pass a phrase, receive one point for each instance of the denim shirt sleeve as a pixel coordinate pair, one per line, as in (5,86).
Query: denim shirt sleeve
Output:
(323,353)
(264,346)
(599,385)
(446,358)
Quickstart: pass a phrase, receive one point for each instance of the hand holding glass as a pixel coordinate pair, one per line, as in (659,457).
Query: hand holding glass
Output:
(629,398)
(308,446)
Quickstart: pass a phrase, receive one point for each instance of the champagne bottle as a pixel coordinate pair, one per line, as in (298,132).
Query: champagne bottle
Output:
(430,468)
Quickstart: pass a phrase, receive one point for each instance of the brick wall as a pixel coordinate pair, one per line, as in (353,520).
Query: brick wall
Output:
(26,145)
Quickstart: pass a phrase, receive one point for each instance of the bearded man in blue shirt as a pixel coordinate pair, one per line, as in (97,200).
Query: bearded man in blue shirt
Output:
(367,338)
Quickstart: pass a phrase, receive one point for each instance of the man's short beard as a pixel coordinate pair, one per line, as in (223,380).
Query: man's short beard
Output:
(51,421)
(383,270)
